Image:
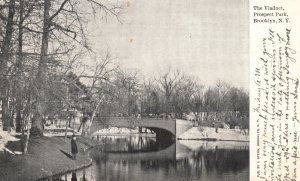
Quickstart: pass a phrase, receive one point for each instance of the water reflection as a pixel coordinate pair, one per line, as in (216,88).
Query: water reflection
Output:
(127,143)
(130,159)
(219,161)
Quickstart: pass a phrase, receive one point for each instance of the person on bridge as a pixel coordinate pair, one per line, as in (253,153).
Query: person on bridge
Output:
(74,149)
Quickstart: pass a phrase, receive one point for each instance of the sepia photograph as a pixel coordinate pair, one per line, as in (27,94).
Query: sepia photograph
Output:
(124,90)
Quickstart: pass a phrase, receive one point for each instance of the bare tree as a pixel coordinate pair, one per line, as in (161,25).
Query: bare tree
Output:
(221,89)
(97,78)
(129,83)
(150,98)
(4,59)
(168,83)
(196,101)
(56,23)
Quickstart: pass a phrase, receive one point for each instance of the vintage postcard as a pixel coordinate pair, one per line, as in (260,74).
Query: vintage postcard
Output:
(127,90)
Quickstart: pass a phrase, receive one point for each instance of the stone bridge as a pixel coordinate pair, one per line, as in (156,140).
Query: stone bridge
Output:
(128,122)
(162,127)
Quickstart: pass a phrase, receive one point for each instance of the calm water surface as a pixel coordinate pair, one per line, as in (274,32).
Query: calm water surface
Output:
(135,158)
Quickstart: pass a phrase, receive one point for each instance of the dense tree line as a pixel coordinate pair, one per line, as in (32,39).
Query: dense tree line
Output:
(173,94)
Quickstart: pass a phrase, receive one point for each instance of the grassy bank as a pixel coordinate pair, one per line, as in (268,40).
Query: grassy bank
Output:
(46,156)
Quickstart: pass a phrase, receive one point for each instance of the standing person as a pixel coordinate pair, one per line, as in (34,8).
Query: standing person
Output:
(74,147)
(74,178)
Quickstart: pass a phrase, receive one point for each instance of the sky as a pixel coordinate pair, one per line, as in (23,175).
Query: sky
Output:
(207,39)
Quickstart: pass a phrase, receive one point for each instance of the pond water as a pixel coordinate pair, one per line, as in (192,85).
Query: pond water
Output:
(136,158)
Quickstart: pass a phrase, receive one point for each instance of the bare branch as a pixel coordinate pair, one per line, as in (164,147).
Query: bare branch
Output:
(58,11)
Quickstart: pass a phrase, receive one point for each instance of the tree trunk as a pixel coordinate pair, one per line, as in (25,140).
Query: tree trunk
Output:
(37,128)
(95,111)
(19,71)
(129,103)
(4,84)
(18,118)
(67,123)
(167,106)
(27,138)
(5,114)
(27,117)
(83,129)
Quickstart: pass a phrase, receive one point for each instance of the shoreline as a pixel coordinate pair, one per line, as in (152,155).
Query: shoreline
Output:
(210,134)
(67,172)
(211,139)
(48,157)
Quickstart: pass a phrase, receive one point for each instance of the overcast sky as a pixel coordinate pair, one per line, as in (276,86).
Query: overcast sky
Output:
(204,38)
